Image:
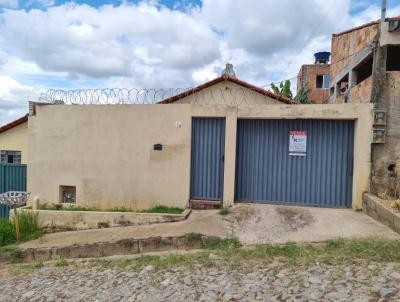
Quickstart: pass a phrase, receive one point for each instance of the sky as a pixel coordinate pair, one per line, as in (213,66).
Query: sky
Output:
(55,44)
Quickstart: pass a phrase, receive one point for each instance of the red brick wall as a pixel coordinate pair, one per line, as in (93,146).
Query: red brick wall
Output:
(316,95)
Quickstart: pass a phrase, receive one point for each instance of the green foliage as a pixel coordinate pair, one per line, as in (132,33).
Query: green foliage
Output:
(119,209)
(12,253)
(283,89)
(29,228)
(163,209)
(155,209)
(193,237)
(227,252)
(61,262)
(7,232)
(222,244)
(61,207)
(302,96)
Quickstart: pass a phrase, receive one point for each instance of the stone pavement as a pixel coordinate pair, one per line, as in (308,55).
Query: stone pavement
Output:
(362,282)
(250,223)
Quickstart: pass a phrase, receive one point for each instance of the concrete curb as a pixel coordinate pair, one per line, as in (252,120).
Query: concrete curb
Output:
(373,207)
(119,247)
(55,221)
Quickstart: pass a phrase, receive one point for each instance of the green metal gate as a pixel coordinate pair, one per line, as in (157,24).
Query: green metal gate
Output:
(12,178)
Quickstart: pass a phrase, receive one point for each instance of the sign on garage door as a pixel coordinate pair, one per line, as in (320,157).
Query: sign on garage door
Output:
(305,162)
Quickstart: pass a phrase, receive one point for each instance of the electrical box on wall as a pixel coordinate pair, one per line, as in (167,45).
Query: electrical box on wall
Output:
(379,136)
(380,117)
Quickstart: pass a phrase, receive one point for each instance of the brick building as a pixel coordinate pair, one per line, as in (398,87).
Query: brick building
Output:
(315,78)
(365,68)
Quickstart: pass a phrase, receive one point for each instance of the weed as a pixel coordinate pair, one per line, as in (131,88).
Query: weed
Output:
(62,207)
(163,209)
(12,253)
(222,244)
(155,209)
(397,205)
(193,237)
(227,252)
(61,262)
(28,224)
(22,268)
(119,209)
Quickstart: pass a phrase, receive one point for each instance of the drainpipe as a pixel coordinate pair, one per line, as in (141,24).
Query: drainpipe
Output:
(383,11)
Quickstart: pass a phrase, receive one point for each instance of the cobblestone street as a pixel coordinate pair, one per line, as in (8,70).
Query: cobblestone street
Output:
(361,282)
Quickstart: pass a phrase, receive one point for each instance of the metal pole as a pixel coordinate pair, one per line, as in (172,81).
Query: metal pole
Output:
(383,11)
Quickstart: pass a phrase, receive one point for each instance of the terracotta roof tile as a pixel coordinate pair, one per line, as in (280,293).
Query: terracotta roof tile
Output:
(231,79)
(15,123)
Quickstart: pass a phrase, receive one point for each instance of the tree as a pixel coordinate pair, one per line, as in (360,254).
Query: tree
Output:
(302,96)
(283,89)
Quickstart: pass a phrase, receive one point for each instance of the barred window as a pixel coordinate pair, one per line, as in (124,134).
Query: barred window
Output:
(10,157)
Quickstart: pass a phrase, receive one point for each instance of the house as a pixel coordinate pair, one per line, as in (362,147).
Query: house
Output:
(14,142)
(365,68)
(315,78)
(222,142)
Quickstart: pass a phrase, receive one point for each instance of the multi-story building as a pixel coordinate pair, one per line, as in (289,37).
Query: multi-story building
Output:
(315,78)
(365,67)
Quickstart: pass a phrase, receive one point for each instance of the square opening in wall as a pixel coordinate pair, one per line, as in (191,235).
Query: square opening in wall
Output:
(364,70)
(393,58)
(67,194)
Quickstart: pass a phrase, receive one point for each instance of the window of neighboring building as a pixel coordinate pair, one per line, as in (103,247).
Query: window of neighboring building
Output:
(67,194)
(393,58)
(10,157)
(363,70)
(322,81)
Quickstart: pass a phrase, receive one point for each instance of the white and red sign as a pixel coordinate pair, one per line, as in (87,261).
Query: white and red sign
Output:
(297,143)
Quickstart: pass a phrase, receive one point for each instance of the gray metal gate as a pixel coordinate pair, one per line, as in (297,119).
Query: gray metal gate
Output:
(207,167)
(265,172)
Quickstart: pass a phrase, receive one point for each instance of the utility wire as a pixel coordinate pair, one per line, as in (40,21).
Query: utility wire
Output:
(309,39)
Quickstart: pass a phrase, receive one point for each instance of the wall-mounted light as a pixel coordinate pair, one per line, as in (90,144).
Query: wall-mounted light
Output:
(380,117)
(379,136)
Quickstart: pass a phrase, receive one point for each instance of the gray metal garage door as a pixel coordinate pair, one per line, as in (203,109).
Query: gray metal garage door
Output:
(208,149)
(319,175)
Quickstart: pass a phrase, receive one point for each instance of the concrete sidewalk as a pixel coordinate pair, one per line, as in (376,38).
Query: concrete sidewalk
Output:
(251,224)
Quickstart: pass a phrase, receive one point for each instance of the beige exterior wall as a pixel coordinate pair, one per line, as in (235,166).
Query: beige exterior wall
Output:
(16,139)
(227,93)
(106,150)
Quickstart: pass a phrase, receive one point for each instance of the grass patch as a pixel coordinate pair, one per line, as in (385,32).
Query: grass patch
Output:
(192,237)
(222,244)
(227,252)
(163,210)
(61,262)
(29,228)
(10,253)
(119,209)
(23,268)
(156,209)
(61,207)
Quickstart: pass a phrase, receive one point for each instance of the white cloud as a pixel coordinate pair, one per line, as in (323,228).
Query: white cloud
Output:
(13,98)
(148,45)
(125,41)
